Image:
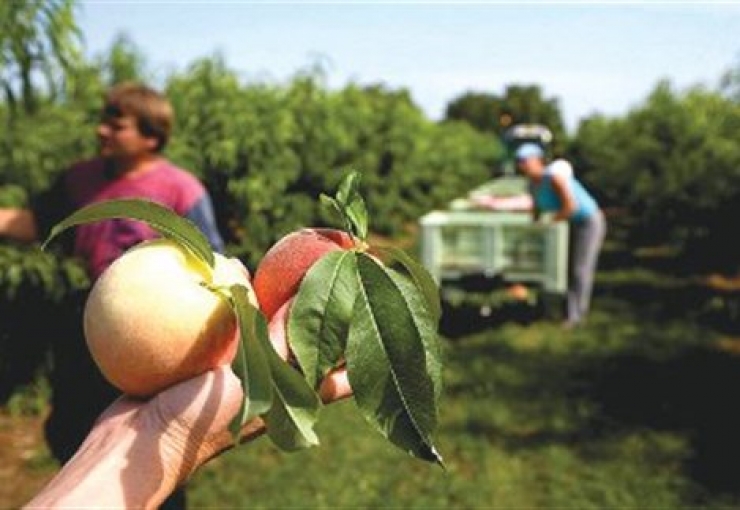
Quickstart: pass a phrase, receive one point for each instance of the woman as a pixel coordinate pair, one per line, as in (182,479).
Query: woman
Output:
(561,194)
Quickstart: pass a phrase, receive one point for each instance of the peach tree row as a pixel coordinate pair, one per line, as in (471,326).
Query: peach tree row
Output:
(266,151)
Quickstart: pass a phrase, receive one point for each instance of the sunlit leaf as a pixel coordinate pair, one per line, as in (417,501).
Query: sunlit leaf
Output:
(251,363)
(347,188)
(335,206)
(349,205)
(352,204)
(160,218)
(357,214)
(421,277)
(321,312)
(295,407)
(394,366)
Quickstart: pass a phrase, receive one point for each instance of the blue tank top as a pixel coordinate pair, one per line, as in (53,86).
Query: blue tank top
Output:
(547,200)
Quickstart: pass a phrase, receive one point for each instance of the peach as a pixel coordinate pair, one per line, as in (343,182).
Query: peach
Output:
(281,270)
(517,292)
(152,319)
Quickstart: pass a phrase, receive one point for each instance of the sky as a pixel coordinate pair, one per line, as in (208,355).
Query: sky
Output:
(592,57)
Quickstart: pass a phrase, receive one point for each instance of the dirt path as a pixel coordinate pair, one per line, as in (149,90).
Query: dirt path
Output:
(25,465)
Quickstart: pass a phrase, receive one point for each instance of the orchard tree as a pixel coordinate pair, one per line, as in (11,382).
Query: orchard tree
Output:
(519,104)
(39,43)
(729,82)
(481,110)
(124,61)
(674,163)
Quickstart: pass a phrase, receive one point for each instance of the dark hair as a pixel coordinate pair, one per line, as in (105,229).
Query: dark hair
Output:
(152,111)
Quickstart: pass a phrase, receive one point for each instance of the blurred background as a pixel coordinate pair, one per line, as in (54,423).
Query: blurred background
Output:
(275,102)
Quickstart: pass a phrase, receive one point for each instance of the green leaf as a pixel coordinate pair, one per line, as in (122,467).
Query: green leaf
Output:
(321,313)
(347,189)
(421,277)
(251,363)
(295,405)
(357,214)
(393,359)
(331,203)
(349,205)
(352,204)
(160,218)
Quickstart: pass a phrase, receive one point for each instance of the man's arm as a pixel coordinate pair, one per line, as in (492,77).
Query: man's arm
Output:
(18,224)
(204,217)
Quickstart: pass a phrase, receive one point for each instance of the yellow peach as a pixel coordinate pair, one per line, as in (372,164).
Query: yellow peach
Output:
(152,319)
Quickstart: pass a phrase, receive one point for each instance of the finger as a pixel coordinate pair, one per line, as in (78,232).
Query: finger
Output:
(277,330)
(196,415)
(122,409)
(335,386)
(217,391)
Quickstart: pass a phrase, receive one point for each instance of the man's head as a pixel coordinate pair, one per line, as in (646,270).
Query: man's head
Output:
(135,119)
(530,159)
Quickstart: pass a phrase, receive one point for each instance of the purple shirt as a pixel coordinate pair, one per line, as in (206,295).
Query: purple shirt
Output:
(100,243)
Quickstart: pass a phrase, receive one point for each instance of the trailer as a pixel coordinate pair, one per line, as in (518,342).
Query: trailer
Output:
(486,243)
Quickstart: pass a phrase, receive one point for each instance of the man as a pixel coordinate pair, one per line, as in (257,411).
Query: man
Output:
(560,193)
(134,129)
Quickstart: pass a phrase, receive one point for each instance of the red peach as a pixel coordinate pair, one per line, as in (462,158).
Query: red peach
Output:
(281,270)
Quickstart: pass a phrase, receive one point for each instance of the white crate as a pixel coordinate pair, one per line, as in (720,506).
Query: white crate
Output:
(490,243)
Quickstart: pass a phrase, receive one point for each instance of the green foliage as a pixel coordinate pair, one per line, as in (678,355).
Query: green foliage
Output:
(34,290)
(535,417)
(674,162)
(28,270)
(13,195)
(38,147)
(350,308)
(31,399)
(124,61)
(39,42)
(267,152)
(420,276)
(519,104)
(250,361)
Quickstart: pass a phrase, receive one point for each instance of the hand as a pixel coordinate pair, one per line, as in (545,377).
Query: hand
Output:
(192,418)
(141,450)
(225,399)
(550,218)
(542,220)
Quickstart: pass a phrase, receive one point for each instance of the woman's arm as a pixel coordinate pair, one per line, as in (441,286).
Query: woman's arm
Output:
(568,203)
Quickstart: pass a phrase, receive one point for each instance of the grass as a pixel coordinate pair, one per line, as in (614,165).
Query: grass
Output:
(635,410)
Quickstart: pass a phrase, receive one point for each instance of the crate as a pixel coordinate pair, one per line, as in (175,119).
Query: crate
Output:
(457,244)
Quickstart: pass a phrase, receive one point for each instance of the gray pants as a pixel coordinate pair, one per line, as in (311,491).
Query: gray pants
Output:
(587,239)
